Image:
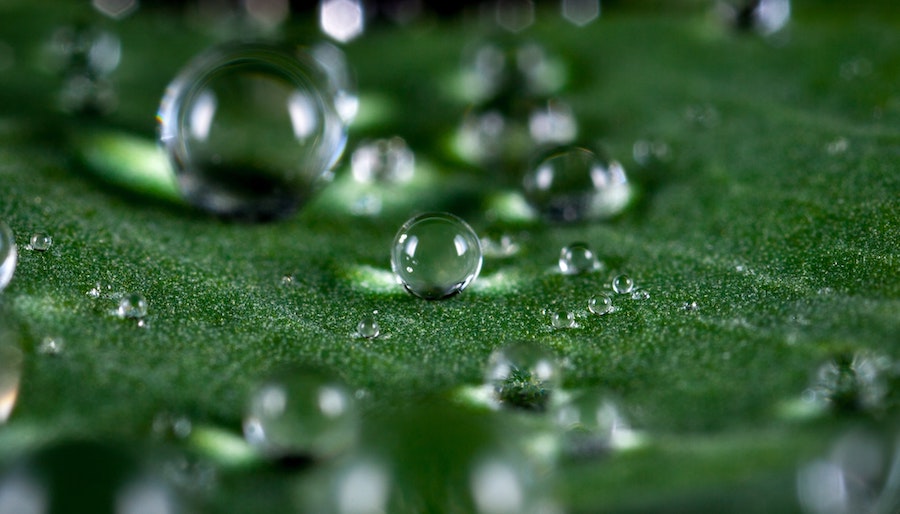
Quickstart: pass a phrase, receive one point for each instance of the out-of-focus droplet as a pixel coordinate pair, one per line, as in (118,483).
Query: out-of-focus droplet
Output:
(647,152)
(498,487)
(572,184)
(838,146)
(580,12)
(342,20)
(766,17)
(251,130)
(340,77)
(268,14)
(51,346)
(523,376)
(362,487)
(115,9)
(436,255)
(168,425)
(386,161)
(301,412)
(11,359)
(593,424)
(509,73)
(854,382)
(552,122)
(9,255)
(514,15)
(499,245)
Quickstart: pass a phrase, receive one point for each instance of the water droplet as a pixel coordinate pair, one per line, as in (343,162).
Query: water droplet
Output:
(578,258)
(523,376)
(436,255)
(51,346)
(499,246)
(854,382)
(115,9)
(40,242)
(580,12)
(132,305)
(689,306)
(493,70)
(84,56)
(340,76)
(287,280)
(562,319)
(766,17)
(600,304)
(571,184)
(387,161)
(251,129)
(368,328)
(623,284)
(167,425)
(640,295)
(514,15)
(301,412)
(647,152)
(8,255)
(552,122)
(838,146)
(593,424)
(342,20)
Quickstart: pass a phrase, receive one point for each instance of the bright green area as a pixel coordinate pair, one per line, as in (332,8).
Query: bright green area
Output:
(778,213)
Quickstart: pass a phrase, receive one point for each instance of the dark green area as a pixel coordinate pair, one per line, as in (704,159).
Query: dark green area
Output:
(776,210)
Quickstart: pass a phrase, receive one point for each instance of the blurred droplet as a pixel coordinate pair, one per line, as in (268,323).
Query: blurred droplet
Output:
(167,425)
(514,15)
(765,17)
(385,161)
(362,487)
(838,146)
(499,245)
(854,382)
(552,122)
(340,77)
(301,413)
(51,346)
(593,424)
(9,255)
(523,376)
(268,13)
(342,20)
(647,152)
(580,12)
(132,305)
(11,359)
(498,487)
(115,9)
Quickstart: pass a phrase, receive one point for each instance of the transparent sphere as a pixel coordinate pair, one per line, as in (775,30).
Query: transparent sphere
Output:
(251,129)
(523,375)
(623,284)
(368,328)
(570,184)
(132,305)
(577,258)
(301,412)
(41,242)
(8,255)
(436,255)
(600,304)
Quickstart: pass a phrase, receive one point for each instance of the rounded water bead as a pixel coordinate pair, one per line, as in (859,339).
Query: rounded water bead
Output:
(600,304)
(570,184)
(368,328)
(623,284)
(577,258)
(41,242)
(436,255)
(301,412)
(562,319)
(8,255)
(251,129)
(523,375)
(132,305)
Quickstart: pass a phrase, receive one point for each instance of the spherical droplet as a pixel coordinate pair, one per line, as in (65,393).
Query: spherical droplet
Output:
(523,375)
(578,258)
(301,412)
(571,184)
(41,242)
(387,161)
(436,255)
(600,304)
(132,305)
(368,328)
(8,255)
(251,129)
(562,319)
(623,284)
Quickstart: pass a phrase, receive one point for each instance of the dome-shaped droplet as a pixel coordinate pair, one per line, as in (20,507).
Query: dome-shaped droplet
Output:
(436,255)
(40,242)
(301,412)
(600,304)
(572,184)
(523,375)
(8,255)
(251,129)
(623,284)
(132,305)
(368,328)
(578,258)
(562,319)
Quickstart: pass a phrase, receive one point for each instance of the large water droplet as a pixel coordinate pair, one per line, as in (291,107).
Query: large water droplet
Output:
(436,255)
(8,255)
(622,284)
(301,412)
(523,375)
(572,184)
(387,161)
(132,305)
(40,242)
(578,258)
(251,129)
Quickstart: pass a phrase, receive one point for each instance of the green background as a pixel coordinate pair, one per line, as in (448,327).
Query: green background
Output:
(788,248)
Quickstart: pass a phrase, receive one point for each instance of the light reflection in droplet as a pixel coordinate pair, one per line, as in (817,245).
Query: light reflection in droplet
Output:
(342,20)
(10,373)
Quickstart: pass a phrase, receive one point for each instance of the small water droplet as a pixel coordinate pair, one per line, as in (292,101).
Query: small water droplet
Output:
(578,258)
(287,280)
(689,306)
(368,328)
(168,425)
(838,146)
(436,255)
(301,412)
(600,304)
(623,284)
(500,246)
(40,242)
(385,161)
(640,295)
(562,319)
(647,152)
(8,255)
(571,184)
(523,376)
(204,119)
(51,346)
(132,305)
